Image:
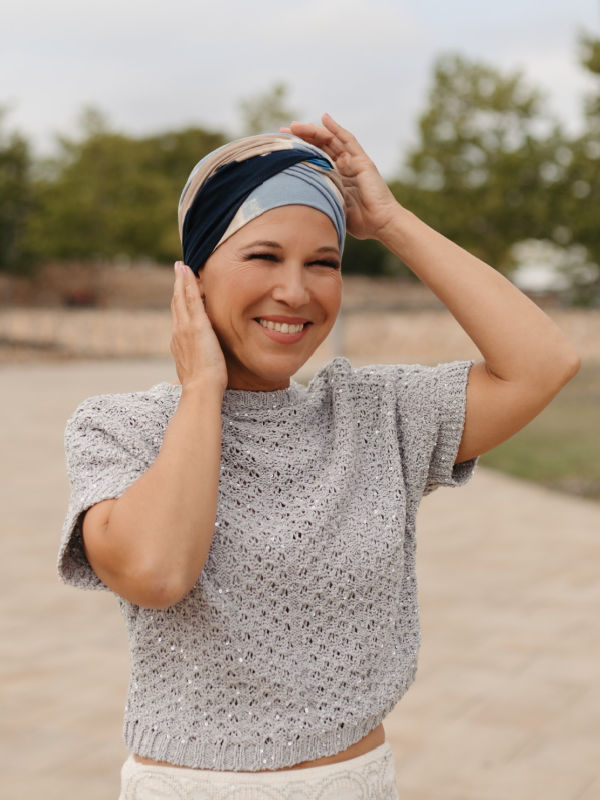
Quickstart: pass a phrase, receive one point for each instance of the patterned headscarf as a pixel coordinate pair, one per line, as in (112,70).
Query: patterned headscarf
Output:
(243,179)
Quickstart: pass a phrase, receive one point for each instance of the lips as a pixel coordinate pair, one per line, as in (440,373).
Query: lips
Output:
(285,331)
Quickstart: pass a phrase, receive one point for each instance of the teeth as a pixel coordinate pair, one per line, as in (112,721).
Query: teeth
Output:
(282,327)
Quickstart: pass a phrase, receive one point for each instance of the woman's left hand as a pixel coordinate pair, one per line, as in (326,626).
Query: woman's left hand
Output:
(370,204)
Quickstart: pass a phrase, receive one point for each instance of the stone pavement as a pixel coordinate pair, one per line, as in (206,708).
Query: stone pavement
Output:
(506,705)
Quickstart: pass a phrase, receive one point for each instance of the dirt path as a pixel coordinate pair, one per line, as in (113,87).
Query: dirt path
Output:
(506,703)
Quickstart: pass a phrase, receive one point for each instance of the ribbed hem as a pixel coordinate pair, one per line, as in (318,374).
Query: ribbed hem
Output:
(275,778)
(229,756)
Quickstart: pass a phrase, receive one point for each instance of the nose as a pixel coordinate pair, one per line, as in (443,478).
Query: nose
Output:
(291,286)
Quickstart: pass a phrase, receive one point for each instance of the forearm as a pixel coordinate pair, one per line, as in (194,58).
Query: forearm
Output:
(161,528)
(516,338)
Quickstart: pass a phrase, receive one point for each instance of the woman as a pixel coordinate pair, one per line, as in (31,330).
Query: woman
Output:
(261,534)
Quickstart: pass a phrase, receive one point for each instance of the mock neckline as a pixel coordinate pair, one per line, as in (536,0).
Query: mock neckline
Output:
(245,400)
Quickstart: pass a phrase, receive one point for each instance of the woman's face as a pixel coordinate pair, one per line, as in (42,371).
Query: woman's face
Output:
(283,267)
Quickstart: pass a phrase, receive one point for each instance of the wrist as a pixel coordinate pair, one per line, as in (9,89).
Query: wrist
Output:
(395,232)
(203,387)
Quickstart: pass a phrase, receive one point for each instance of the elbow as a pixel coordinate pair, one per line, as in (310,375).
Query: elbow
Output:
(564,369)
(142,575)
(575,365)
(151,585)
(158,595)
(155,589)
(570,366)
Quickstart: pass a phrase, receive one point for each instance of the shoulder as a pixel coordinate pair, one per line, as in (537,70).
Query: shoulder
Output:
(341,373)
(156,399)
(133,412)
(417,390)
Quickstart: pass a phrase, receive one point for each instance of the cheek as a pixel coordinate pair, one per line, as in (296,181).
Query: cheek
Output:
(225,306)
(217,311)
(331,294)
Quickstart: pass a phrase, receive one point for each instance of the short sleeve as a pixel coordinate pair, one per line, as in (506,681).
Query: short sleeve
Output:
(104,456)
(450,392)
(431,406)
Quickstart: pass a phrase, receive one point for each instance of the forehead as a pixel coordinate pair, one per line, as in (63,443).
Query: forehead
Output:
(290,222)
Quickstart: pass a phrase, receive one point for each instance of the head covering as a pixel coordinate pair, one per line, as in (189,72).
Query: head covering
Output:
(243,179)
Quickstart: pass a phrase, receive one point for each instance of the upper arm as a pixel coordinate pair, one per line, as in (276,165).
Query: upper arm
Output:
(496,409)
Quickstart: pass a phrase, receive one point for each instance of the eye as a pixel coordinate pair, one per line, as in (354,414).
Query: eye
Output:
(326,262)
(261,257)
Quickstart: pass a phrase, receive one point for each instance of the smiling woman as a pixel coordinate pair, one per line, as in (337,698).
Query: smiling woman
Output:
(261,534)
(272,293)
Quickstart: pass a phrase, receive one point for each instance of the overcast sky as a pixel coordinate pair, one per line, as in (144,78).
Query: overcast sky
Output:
(153,66)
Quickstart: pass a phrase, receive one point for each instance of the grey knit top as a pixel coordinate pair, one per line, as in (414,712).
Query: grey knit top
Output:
(301,633)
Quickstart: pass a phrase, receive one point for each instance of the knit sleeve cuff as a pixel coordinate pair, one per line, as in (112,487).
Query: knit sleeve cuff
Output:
(100,466)
(451,400)
(73,565)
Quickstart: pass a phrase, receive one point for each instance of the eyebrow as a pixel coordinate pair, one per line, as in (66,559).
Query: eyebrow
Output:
(267,243)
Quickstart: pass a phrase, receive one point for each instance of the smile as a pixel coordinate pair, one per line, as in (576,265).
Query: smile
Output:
(283,332)
(283,327)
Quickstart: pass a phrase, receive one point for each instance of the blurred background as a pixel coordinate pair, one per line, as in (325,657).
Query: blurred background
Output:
(485,121)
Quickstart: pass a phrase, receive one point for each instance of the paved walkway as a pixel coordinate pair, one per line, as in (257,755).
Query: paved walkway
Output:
(506,705)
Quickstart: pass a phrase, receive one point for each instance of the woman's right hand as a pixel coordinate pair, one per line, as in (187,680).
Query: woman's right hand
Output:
(150,544)
(198,355)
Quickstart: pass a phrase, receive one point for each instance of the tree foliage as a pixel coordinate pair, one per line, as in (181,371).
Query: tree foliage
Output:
(580,185)
(106,194)
(475,172)
(266,112)
(493,168)
(16,200)
(589,58)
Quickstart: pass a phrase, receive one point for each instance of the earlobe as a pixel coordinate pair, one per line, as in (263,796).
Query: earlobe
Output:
(200,285)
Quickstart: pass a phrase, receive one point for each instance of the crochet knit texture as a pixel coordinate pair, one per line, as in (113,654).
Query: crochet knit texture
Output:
(302,632)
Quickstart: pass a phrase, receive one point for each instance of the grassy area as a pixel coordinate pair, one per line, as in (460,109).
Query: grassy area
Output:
(561,447)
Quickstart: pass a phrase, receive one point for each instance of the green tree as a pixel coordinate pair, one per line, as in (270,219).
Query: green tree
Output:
(475,174)
(579,188)
(266,112)
(493,168)
(570,173)
(16,200)
(106,194)
(589,58)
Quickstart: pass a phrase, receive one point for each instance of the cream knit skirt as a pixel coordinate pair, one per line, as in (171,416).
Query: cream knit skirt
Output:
(367,777)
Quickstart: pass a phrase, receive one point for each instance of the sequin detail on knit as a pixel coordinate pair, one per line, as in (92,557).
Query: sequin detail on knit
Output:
(302,631)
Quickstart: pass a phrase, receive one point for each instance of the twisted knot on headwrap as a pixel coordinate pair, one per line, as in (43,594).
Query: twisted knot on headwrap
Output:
(243,179)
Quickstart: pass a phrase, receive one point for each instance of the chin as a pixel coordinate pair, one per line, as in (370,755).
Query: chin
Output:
(269,375)
(281,375)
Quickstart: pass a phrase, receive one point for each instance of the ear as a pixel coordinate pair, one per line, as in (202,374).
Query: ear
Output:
(200,283)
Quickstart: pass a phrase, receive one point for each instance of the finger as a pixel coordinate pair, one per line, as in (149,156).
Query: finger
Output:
(320,137)
(344,136)
(192,292)
(178,303)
